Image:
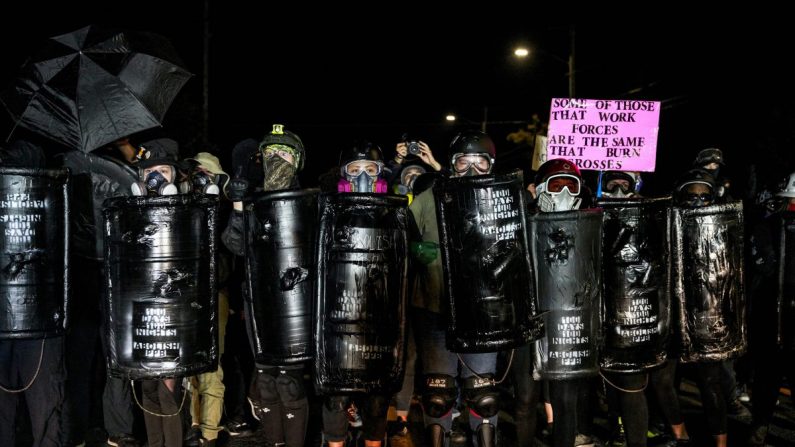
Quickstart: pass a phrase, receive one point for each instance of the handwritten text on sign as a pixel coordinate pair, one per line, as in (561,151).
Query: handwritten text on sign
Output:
(604,134)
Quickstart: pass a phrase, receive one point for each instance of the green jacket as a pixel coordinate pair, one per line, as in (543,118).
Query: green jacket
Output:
(428,285)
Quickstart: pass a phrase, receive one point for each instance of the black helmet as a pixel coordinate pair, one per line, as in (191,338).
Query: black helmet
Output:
(280,136)
(694,176)
(472,142)
(707,156)
(632,178)
(361,150)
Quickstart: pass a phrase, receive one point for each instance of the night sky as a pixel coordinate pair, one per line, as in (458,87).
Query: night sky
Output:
(333,78)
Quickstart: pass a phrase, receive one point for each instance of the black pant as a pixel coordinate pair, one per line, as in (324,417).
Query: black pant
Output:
(714,395)
(85,360)
(116,402)
(526,393)
(630,401)
(164,430)
(563,396)
(19,360)
(661,383)
(771,365)
(238,364)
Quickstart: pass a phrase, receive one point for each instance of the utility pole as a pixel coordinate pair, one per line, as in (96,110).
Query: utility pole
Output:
(206,76)
(571,61)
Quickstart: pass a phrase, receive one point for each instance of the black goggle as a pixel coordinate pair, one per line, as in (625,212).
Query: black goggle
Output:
(703,197)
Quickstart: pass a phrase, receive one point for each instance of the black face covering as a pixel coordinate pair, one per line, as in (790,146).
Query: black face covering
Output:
(279,174)
(715,173)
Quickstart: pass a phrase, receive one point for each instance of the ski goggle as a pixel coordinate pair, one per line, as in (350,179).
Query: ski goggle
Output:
(704,197)
(281,150)
(354,168)
(462,162)
(557,183)
(624,185)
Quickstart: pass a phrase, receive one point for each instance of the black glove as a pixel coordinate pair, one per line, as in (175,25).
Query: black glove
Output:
(242,155)
(238,187)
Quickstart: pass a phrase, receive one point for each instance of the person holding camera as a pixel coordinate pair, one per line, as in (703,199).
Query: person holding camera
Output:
(408,149)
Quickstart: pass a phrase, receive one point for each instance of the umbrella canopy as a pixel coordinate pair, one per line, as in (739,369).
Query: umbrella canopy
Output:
(92,86)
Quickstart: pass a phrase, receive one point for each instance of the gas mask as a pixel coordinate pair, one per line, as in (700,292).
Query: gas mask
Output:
(155,184)
(204,183)
(279,173)
(559,193)
(362,176)
(407,178)
(362,182)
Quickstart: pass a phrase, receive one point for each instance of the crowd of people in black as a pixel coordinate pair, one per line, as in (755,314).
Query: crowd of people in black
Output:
(608,311)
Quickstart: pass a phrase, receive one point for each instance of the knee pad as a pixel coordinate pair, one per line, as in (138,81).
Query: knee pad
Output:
(440,395)
(481,395)
(290,385)
(265,390)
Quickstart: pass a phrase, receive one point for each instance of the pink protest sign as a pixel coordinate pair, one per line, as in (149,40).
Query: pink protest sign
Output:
(609,135)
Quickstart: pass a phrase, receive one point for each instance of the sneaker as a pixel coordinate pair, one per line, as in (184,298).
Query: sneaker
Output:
(619,438)
(757,436)
(737,409)
(353,416)
(399,435)
(239,427)
(586,441)
(193,437)
(123,440)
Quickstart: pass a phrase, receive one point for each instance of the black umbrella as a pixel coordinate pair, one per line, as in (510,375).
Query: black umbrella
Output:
(92,86)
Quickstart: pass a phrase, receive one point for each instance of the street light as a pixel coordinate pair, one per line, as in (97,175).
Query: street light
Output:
(522,52)
(451,118)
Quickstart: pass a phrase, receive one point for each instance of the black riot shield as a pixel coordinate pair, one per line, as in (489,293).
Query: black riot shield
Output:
(566,249)
(707,254)
(161,301)
(95,178)
(487,271)
(361,293)
(34,245)
(281,232)
(786,283)
(637,279)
